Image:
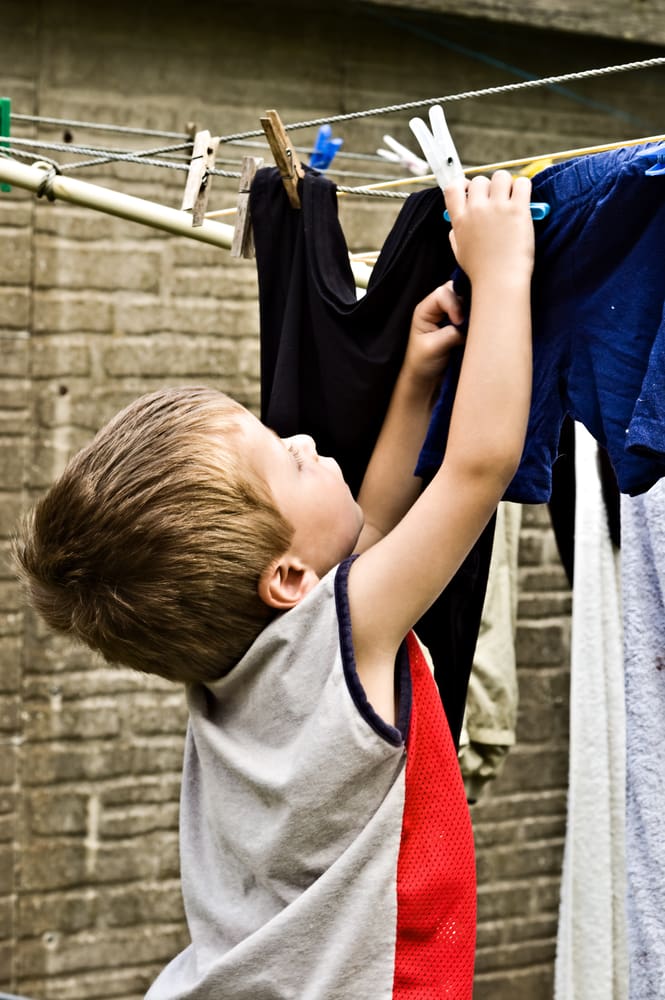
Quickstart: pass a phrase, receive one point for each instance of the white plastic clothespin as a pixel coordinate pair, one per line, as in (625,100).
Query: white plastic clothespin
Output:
(438,147)
(397,153)
(445,164)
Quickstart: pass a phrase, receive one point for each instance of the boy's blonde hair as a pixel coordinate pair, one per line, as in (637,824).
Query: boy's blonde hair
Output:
(150,546)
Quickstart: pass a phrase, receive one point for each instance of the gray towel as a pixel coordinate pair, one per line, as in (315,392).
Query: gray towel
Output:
(643,572)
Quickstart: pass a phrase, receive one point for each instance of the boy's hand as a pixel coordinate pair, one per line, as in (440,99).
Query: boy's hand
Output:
(492,235)
(429,343)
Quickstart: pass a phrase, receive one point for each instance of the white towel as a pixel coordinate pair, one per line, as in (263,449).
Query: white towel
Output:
(643,572)
(591,962)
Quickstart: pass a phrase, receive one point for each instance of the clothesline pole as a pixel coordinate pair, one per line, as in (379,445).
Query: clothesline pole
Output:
(171,220)
(41,179)
(564,154)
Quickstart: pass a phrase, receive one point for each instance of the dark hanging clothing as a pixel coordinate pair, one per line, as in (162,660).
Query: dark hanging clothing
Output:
(564,493)
(329,362)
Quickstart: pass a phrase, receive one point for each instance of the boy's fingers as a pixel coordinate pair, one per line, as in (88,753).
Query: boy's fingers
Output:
(431,309)
(501,183)
(521,189)
(451,303)
(479,190)
(453,242)
(455,197)
(439,303)
(451,337)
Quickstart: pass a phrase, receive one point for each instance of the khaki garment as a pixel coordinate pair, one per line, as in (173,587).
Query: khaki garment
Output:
(491,706)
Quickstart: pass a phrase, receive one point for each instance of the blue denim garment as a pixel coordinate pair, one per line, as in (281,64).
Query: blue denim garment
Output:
(598,325)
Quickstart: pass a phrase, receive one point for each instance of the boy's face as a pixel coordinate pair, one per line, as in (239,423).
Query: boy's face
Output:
(309,491)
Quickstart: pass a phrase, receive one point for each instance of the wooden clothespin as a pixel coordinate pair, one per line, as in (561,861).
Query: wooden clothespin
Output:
(243,240)
(284,154)
(197,188)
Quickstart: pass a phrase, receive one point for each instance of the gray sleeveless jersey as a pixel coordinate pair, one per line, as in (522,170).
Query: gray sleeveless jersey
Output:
(290,825)
(317,862)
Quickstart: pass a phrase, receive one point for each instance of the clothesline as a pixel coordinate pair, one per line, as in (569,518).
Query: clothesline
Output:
(524,161)
(385,109)
(178,156)
(383,187)
(183,148)
(464,95)
(21,146)
(45,180)
(538,158)
(147,157)
(49,178)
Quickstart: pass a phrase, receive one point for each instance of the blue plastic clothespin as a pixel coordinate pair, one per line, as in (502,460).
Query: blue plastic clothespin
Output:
(656,156)
(325,149)
(439,151)
(539,210)
(5,126)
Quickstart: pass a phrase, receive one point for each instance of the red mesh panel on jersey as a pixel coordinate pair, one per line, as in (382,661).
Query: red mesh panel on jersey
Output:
(436,874)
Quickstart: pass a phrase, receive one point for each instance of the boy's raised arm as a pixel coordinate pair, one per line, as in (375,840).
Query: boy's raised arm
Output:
(389,487)
(394,581)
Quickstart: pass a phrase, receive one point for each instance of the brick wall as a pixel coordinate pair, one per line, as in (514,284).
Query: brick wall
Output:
(94,311)
(520,825)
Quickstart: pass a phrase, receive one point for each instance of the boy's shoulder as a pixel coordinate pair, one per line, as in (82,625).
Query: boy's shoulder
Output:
(307,634)
(299,668)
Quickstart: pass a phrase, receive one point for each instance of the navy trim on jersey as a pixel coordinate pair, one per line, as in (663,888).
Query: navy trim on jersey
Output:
(394,735)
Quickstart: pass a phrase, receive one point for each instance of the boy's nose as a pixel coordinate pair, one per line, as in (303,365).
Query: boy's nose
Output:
(305,444)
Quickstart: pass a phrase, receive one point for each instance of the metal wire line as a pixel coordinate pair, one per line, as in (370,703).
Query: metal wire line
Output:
(146,157)
(386,109)
(464,95)
(98,126)
(105,155)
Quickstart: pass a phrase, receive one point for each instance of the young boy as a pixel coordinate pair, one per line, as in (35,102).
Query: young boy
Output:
(325,841)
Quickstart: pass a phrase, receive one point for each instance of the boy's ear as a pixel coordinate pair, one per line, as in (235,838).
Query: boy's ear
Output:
(285,582)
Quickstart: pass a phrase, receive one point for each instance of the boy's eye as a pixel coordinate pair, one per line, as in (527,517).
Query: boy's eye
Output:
(296,454)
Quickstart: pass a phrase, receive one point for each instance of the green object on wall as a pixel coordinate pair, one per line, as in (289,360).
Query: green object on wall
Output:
(5,119)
